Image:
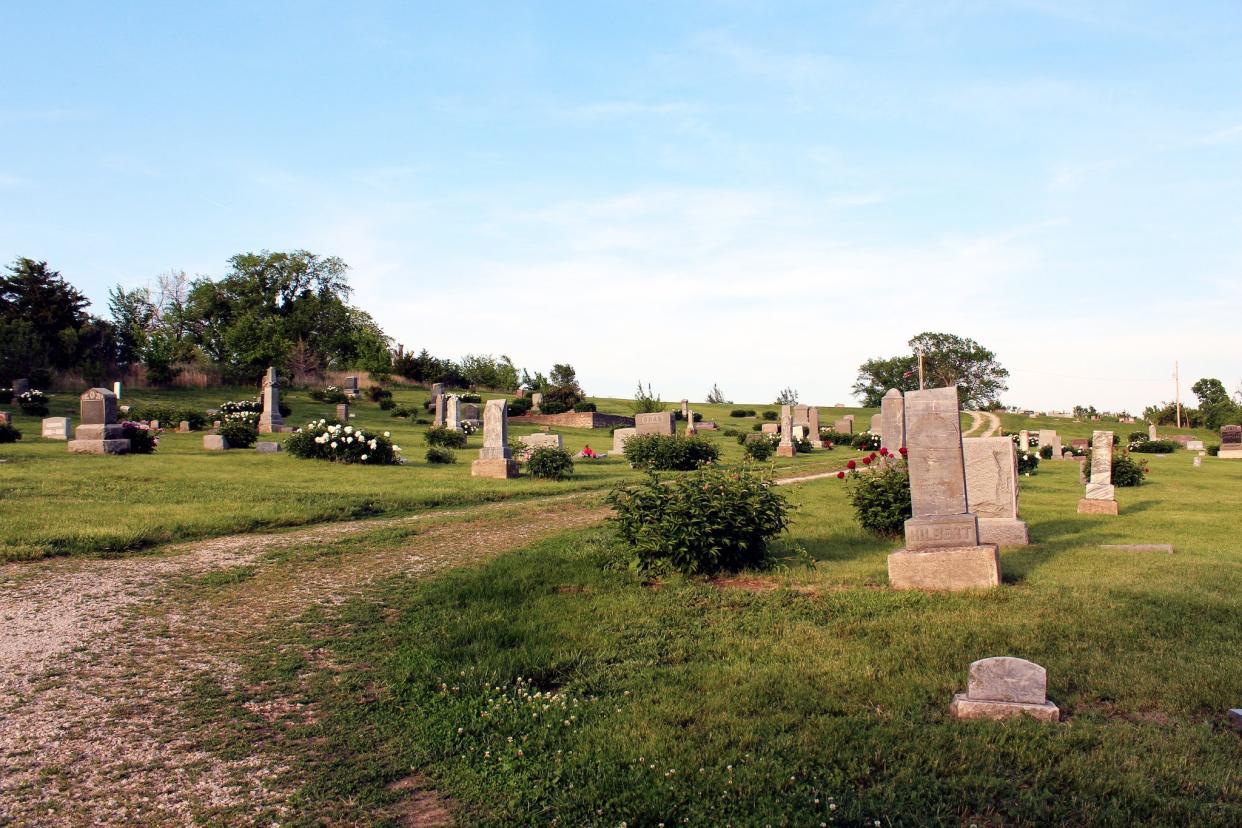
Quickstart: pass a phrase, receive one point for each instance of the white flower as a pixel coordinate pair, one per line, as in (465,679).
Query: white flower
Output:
(334,444)
(349,429)
(387,433)
(396,448)
(364,457)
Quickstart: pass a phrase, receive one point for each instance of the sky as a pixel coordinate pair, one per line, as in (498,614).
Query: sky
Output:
(752,194)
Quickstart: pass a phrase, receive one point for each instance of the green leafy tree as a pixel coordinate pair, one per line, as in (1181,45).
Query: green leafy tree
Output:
(947,360)
(47,318)
(787,396)
(645,401)
(563,391)
(1215,406)
(877,376)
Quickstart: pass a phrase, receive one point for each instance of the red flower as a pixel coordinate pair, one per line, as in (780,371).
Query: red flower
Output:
(903,451)
(850,464)
(884,452)
(840,475)
(866,461)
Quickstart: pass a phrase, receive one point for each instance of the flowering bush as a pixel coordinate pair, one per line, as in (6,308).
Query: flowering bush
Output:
(33,402)
(331,394)
(1028,462)
(669,452)
(324,440)
(709,520)
(239,406)
(550,463)
(142,438)
(446,437)
(469,428)
(866,441)
(436,454)
(240,429)
(168,415)
(761,448)
(1127,472)
(880,491)
(8,434)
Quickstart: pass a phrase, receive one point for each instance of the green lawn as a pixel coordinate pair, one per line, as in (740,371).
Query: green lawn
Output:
(802,696)
(52,502)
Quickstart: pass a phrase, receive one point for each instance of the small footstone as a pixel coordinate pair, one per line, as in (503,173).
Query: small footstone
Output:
(1166,548)
(216,442)
(1004,688)
(1087,506)
(965,567)
(267,448)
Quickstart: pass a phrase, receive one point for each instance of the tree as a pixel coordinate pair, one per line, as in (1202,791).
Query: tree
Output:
(48,317)
(788,396)
(487,371)
(1215,407)
(716,396)
(645,402)
(947,360)
(563,391)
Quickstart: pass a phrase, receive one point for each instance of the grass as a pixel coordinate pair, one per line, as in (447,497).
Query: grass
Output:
(544,688)
(55,503)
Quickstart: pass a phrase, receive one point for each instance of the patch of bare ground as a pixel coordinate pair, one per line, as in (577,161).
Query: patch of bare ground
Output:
(99,659)
(419,806)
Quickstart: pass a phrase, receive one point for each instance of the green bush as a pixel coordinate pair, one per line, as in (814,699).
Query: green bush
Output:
(470,398)
(241,430)
(402,411)
(1214,450)
(9,434)
(1028,462)
(866,441)
(446,437)
(881,497)
(142,439)
(33,403)
(662,452)
(584,407)
(378,393)
(1146,446)
(518,406)
(170,416)
(550,463)
(1127,471)
(678,416)
(756,427)
(387,404)
(742,412)
(436,454)
(708,521)
(1139,437)
(326,440)
(761,449)
(803,446)
(837,438)
(770,415)
(1045,452)
(331,394)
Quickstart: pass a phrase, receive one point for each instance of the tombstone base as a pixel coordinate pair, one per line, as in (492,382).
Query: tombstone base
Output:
(1230,453)
(786,451)
(1087,506)
(99,446)
(267,448)
(1004,531)
(215,442)
(270,425)
(965,708)
(952,569)
(500,468)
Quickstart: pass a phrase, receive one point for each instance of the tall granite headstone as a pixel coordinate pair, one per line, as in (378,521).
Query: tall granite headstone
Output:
(893,420)
(1231,442)
(437,389)
(992,490)
(351,386)
(657,422)
(452,413)
(685,409)
(943,550)
(270,421)
(1101,496)
(1024,440)
(812,426)
(99,432)
(495,458)
(691,429)
(439,403)
(786,448)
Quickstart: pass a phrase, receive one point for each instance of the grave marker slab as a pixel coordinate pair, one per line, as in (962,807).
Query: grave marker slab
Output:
(267,448)
(342,412)
(992,490)
(495,458)
(215,442)
(1101,496)
(1151,432)
(452,413)
(270,421)
(440,405)
(536,402)
(1005,687)
(99,433)
(1048,437)
(543,441)
(786,448)
(619,437)
(658,422)
(1230,442)
(893,420)
(57,428)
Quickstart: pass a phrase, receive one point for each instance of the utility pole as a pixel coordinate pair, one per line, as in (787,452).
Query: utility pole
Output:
(1177,391)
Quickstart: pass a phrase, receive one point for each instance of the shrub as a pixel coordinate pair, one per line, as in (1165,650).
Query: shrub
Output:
(678,416)
(33,403)
(1045,452)
(837,438)
(550,463)
(742,412)
(239,406)
(1146,446)
(324,440)
(1138,437)
(470,398)
(168,415)
(761,449)
(436,454)
(241,429)
(770,415)
(331,394)
(518,406)
(446,437)
(705,522)
(378,393)
(6,396)
(881,495)
(142,438)
(1127,471)
(866,441)
(1028,462)
(9,434)
(583,407)
(663,452)
(387,404)
(802,446)
(756,427)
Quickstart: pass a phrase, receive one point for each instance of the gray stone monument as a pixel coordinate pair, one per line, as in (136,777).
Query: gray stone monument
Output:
(685,409)
(351,386)
(439,403)
(452,413)
(1024,440)
(470,411)
(1101,496)
(893,420)
(1230,442)
(536,402)
(437,389)
(786,448)
(57,428)
(184,427)
(116,389)
(691,428)
(812,426)
(495,458)
(99,432)
(342,412)
(844,425)
(542,440)
(619,437)
(657,422)
(1003,688)
(877,426)
(1048,437)
(267,448)
(1151,432)
(270,421)
(943,550)
(215,442)
(992,490)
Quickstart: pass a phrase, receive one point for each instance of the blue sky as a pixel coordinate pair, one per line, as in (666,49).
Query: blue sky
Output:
(753,194)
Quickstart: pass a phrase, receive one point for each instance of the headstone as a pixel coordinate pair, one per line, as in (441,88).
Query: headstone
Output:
(1101,496)
(843,426)
(801,415)
(706,425)
(786,448)
(99,432)
(1194,445)
(691,429)
(495,458)
(799,433)
(56,428)
(1024,441)
(542,440)
(658,422)
(992,490)
(351,386)
(619,437)
(470,411)
(893,420)
(1235,719)
(20,386)
(183,427)
(440,406)
(452,413)
(1198,461)
(536,402)
(685,409)
(437,389)
(1048,437)
(1080,443)
(942,537)
(877,425)
(270,421)
(215,442)
(1231,442)
(1151,432)
(267,448)
(770,428)
(116,389)
(1003,688)
(342,412)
